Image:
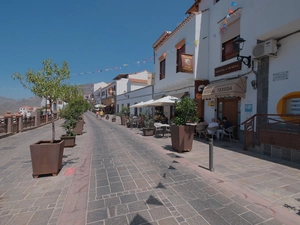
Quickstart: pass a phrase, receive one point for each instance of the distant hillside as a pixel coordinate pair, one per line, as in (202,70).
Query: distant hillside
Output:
(13,105)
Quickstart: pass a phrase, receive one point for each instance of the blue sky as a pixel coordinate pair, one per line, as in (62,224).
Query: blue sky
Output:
(90,35)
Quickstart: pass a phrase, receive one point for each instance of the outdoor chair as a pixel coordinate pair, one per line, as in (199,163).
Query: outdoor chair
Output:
(158,129)
(212,132)
(228,133)
(167,130)
(200,129)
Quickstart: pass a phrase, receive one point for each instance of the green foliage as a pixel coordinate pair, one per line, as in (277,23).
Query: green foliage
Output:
(148,121)
(76,106)
(69,125)
(47,83)
(125,111)
(185,112)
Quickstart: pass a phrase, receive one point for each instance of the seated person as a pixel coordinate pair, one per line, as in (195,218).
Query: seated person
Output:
(201,121)
(211,125)
(201,127)
(226,124)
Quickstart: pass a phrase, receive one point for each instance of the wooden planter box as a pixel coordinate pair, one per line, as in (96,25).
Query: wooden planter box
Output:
(69,140)
(78,129)
(148,131)
(123,120)
(182,138)
(46,157)
(113,119)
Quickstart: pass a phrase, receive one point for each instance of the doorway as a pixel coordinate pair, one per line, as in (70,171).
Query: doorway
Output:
(231,108)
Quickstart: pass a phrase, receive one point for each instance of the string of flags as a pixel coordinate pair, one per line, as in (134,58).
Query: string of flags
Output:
(231,12)
(223,27)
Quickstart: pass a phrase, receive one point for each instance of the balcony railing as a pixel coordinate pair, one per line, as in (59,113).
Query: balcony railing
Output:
(12,124)
(273,129)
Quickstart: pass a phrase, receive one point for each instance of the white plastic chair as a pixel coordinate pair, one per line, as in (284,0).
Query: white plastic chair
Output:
(200,129)
(228,133)
(158,129)
(212,132)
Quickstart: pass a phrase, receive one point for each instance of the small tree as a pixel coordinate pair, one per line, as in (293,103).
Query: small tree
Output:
(47,83)
(125,111)
(76,106)
(185,112)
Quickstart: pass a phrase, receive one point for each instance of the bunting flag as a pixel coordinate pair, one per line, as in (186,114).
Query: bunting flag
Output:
(222,28)
(231,11)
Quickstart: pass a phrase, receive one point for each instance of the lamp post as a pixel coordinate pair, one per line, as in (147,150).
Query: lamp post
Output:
(246,60)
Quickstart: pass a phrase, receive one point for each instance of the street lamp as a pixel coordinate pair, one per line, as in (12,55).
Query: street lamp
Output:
(244,59)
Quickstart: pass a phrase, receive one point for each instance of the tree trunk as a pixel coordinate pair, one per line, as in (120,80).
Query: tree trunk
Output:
(52,122)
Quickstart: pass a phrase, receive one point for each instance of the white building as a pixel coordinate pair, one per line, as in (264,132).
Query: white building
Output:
(266,85)
(133,88)
(176,59)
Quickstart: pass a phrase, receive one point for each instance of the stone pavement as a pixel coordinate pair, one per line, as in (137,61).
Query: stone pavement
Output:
(114,175)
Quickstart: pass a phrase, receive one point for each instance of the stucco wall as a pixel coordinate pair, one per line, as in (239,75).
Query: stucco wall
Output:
(173,80)
(287,60)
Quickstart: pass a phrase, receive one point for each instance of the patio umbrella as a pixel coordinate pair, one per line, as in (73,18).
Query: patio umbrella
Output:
(146,103)
(100,106)
(167,100)
(137,105)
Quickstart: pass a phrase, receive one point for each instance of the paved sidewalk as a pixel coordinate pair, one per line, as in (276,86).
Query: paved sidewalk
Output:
(24,200)
(114,175)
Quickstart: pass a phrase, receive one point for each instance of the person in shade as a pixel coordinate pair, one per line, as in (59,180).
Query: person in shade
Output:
(226,124)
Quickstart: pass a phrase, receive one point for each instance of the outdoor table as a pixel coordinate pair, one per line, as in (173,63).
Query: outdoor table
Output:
(164,126)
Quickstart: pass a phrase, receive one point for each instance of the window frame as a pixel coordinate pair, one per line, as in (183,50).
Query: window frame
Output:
(162,69)
(180,51)
(233,51)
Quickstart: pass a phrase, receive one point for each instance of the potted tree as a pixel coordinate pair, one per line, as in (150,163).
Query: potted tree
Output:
(46,156)
(148,129)
(125,111)
(183,124)
(77,105)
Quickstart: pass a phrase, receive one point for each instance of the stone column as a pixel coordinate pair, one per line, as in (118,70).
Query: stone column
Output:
(9,122)
(19,117)
(37,118)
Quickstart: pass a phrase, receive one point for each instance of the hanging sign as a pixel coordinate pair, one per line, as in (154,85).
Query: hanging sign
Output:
(187,63)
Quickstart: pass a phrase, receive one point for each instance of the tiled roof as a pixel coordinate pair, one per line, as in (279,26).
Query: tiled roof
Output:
(133,80)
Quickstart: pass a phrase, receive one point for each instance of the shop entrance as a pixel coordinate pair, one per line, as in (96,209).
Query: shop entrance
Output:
(231,108)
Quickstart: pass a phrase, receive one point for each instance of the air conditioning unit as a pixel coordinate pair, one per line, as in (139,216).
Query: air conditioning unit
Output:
(267,48)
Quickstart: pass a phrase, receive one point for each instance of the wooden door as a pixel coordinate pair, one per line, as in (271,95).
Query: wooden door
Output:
(230,107)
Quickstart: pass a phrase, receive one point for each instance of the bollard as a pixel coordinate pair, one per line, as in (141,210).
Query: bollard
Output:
(211,155)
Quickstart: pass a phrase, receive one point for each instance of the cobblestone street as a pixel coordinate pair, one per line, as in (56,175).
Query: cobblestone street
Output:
(114,175)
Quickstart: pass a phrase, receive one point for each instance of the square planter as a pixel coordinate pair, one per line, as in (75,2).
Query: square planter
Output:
(46,157)
(69,140)
(124,120)
(78,129)
(148,131)
(182,138)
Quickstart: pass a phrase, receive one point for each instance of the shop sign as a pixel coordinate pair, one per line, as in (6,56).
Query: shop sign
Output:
(229,68)
(187,63)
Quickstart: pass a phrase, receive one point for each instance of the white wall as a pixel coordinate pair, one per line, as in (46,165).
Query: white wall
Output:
(121,86)
(139,75)
(99,85)
(142,94)
(173,80)
(287,60)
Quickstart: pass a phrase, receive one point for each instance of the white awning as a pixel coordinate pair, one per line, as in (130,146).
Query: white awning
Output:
(229,88)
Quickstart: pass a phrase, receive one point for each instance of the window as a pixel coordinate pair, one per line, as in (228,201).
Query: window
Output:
(293,106)
(229,51)
(180,51)
(162,70)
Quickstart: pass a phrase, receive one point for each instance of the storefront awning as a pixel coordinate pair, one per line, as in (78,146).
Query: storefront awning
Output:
(229,88)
